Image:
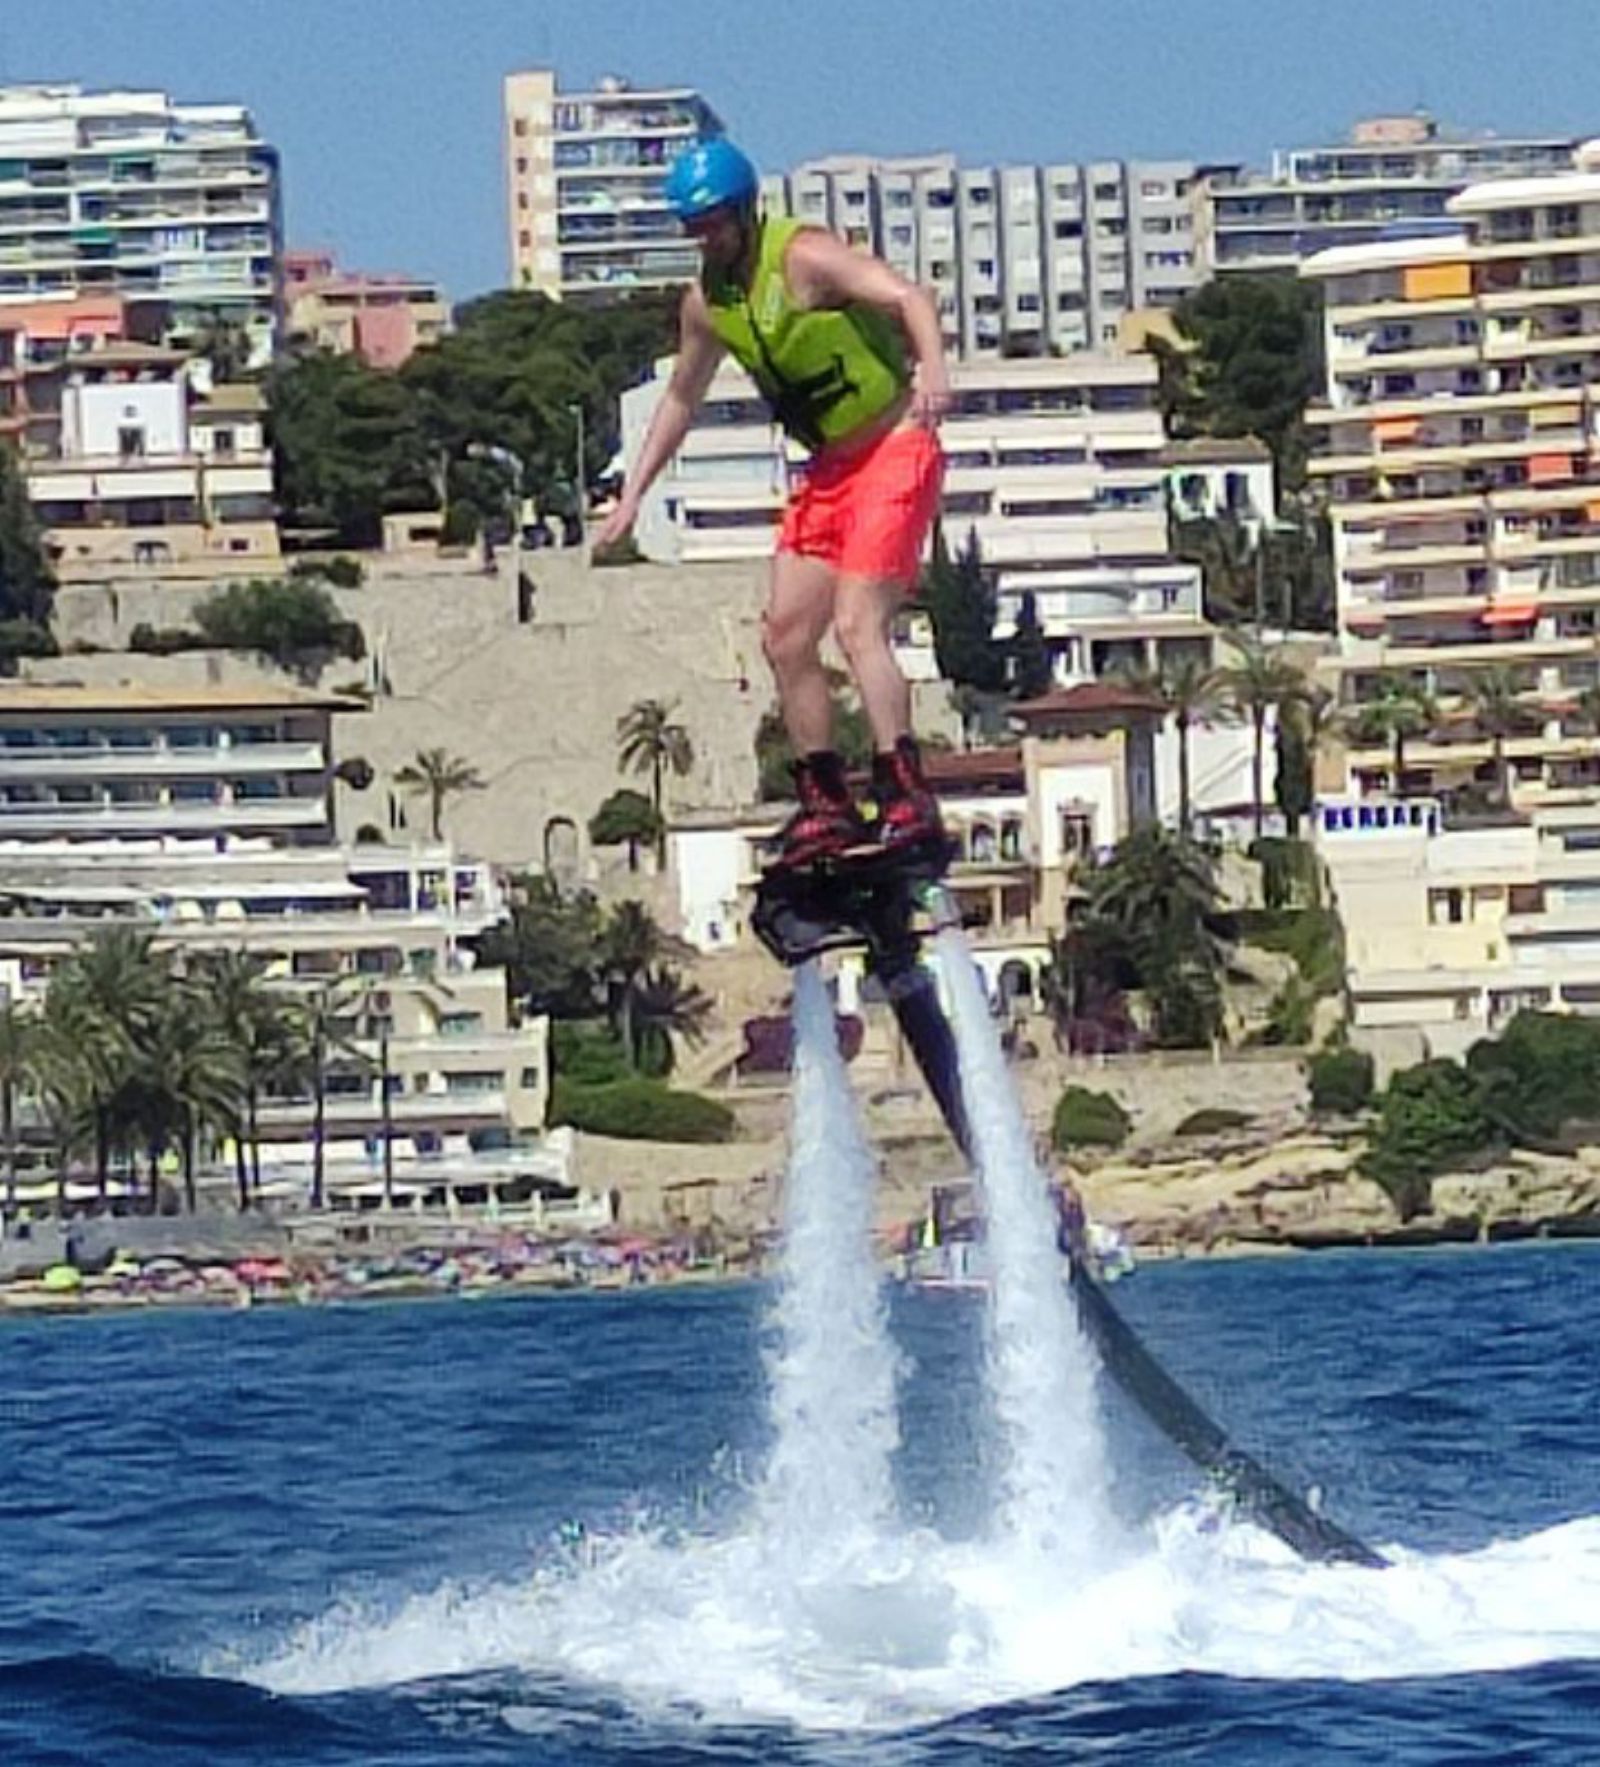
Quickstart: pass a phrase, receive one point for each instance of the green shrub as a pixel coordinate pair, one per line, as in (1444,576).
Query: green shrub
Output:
(1431,1119)
(640,1110)
(1341,1082)
(587,1054)
(342,571)
(1088,1119)
(1313,937)
(1541,1073)
(285,622)
(1214,1120)
(461,525)
(1288,872)
(1290,1017)
(163,640)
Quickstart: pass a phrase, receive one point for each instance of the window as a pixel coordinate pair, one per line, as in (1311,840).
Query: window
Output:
(1107,192)
(223,444)
(1155,187)
(520,127)
(1445,907)
(1525,899)
(130,442)
(1068,230)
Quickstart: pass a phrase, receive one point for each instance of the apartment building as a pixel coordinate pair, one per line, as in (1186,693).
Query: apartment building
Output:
(147,475)
(135,195)
(1056,466)
(1022,260)
(204,817)
(584,179)
(1459,441)
(87,763)
(1394,171)
(381,319)
(1453,926)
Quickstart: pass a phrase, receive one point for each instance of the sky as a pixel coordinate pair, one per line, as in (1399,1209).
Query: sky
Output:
(387,112)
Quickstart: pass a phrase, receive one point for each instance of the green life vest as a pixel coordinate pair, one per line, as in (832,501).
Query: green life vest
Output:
(825,372)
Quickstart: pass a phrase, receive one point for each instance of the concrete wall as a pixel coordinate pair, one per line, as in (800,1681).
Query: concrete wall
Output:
(533,705)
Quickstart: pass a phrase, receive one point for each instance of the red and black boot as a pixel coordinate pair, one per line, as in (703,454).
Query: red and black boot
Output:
(908,812)
(827,823)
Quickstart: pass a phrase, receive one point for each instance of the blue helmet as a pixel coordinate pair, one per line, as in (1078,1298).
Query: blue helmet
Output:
(710,175)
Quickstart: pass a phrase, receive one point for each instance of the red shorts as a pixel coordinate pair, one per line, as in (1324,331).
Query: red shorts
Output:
(868,514)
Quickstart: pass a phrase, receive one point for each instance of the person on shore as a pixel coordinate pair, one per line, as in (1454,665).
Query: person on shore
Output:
(849,358)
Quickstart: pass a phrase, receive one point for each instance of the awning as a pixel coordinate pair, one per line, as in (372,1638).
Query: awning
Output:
(1510,613)
(1546,469)
(1397,429)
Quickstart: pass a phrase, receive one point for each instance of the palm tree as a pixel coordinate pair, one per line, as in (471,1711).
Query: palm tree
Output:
(257,1022)
(196,1074)
(1256,685)
(630,940)
(63,1081)
(1190,691)
(324,1030)
(650,741)
(1151,907)
(438,776)
(1494,697)
(16,1065)
(224,343)
(1398,712)
(665,1005)
(110,995)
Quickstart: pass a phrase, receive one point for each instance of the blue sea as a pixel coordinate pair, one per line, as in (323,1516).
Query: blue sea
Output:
(520,1531)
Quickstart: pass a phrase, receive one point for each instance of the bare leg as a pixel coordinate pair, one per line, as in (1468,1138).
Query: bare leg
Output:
(863,615)
(799,610)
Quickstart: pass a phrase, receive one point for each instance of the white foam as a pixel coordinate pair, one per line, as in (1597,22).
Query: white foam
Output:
(1041,1368)
(828,1491)
(941,1628)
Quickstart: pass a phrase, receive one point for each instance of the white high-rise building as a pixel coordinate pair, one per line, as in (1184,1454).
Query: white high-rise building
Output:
(1393,172)
(1460,448)
(134,195)
(584,177)
(1022,260)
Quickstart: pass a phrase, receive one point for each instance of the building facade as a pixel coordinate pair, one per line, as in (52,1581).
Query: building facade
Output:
(1453,928)
(381,319)
(204,818)
(134,195)
(1393,172)
(1022,260)
(148,476)
(1056,467)
(584,178)
(1459,441)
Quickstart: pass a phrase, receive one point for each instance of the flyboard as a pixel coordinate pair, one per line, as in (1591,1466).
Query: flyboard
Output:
(883,903)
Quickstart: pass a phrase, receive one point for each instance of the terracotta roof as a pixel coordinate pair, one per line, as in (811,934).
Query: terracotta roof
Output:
(1089,699)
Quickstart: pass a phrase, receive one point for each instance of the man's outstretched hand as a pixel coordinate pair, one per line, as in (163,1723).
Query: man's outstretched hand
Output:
(618,525)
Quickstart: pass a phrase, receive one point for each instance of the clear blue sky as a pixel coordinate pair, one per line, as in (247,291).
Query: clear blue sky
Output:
(387,111)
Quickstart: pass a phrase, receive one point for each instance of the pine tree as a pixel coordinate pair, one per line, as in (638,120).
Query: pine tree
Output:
(1030,660)
(959,599)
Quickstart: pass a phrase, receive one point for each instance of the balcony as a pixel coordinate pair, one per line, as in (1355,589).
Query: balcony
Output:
(87,820)
(160,763)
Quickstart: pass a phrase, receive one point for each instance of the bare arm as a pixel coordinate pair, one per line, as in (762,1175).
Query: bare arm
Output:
(822,271)
(700,351)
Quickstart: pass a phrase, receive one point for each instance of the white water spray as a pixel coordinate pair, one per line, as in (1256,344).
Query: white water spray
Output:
(833,1374)
(1041,1371)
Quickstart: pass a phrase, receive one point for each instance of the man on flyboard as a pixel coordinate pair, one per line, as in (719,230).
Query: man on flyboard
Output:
(848,356)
